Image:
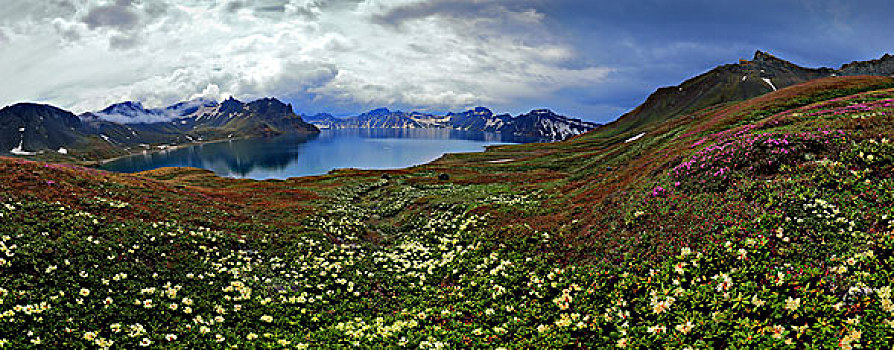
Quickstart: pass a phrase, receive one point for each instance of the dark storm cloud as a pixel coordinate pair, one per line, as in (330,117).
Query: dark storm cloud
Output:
(235,5)
(119,16)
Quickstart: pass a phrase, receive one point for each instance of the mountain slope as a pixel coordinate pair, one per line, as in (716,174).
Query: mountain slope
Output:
(27,128)
(735,82)
(266,116)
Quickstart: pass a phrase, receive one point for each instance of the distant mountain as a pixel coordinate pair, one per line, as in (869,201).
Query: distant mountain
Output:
(191,107)
(133,112)
(266,116)
(199,120)
(29,129)
(543,123)
(883,66)
(735,82)
(538,124)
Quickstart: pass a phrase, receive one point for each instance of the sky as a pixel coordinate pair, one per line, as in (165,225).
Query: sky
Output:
(589,59)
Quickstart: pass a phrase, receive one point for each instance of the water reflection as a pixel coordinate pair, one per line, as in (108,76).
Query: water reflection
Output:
(288,156)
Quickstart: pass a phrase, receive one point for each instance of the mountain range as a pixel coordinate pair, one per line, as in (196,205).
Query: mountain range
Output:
(35,129)
(48,132)
(29,129)
(540,124)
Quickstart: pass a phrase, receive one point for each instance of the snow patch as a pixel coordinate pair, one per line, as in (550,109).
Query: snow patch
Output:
(769,82)
(104,137)
(498,123)
(558,131)
(19,150)
(506,160)
(637,137)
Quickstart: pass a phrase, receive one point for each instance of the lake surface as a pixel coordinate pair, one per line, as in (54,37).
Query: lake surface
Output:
(289,156)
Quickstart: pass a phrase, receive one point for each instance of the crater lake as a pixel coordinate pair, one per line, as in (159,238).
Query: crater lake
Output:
(292,155)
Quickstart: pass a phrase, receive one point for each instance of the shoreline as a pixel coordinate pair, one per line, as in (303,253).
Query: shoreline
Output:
(154,149)
(98,163)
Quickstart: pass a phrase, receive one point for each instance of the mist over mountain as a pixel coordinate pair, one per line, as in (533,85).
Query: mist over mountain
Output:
(133,112)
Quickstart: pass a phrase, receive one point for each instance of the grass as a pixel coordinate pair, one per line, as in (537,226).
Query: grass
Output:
(588,243)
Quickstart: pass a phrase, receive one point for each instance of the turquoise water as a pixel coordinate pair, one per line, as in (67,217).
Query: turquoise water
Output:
(289,156)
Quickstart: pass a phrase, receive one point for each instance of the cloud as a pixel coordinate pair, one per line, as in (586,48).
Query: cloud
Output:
(325,54)
(122,42)
(457,9)
(132,113)
(118,16)
(590,59)
(69,31)
(19,11)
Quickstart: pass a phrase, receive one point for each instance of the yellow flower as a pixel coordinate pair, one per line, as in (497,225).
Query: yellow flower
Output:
(685,328)
(622,343)
(884,292)
(660,306)
(267,318)
(777,331)
(657,329)
(792,304)
(757,301)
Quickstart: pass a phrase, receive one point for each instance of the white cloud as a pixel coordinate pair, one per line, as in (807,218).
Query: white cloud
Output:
(87,54)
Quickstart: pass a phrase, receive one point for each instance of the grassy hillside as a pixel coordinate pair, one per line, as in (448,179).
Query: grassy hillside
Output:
(767,223)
